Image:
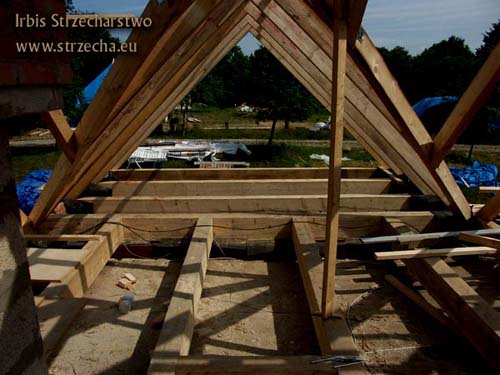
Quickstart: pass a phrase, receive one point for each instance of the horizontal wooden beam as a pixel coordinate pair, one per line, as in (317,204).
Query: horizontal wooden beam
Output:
(251,365)
(489,189)
(177,330)
(243,187)
(62,237)
(232,225)
(468,106)
(98,252)
(333,334)
(53,264)
(293,204)
(478,321)
(428,253)
(169,174)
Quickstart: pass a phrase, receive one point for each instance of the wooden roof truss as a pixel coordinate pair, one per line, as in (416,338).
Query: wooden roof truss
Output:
(321,44)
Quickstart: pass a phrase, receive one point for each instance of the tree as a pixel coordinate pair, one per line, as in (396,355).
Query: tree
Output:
(445,68)
(226,85)
(490,40)
(400,63)
(276,93)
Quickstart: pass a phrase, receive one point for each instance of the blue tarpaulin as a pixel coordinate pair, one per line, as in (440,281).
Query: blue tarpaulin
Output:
(28,190)
(427,103)
(476,175)
(90,91)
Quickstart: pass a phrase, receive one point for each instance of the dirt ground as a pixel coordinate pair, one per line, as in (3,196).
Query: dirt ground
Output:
(259,308)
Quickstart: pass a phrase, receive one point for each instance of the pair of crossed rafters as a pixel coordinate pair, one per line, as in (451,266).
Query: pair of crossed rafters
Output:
(190,37)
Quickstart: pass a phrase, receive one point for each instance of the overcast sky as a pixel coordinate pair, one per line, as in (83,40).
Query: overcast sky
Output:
(414,24)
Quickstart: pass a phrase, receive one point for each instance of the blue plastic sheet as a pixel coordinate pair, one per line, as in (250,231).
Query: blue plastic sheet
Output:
(90,91)
(28,190)
(427,103)
(476,175)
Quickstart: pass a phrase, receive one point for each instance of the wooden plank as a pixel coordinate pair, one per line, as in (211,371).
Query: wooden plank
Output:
(310,264)
(489,189)
(62,132)
(76,282)
(333,334)
(251,365)
(480,240)
(428,253)
(293,204)
(177,330)
(478,321)
(62,237)
(467,107)
(53,264)
(336,144)
(244,187)
(170,174)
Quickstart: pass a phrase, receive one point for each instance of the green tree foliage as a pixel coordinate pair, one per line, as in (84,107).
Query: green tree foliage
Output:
(400,63)
(490,41)
(276,93)
(227,84)
(445,68)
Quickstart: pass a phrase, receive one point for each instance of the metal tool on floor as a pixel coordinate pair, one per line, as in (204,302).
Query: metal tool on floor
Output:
(339,361)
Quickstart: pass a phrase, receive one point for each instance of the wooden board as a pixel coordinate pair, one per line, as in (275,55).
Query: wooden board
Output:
(256,365)
(336,150)
(53,264)
(478,321)
(428,253)
(293,204)
(78,280)
(333,334)
(177,330)
(169,174)
(244,187)
(62,237)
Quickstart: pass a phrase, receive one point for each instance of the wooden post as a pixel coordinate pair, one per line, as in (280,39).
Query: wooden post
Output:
(20,341)
(335,171)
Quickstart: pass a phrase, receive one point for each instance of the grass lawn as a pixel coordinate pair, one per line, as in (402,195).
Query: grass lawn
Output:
(25,160)
(279,155)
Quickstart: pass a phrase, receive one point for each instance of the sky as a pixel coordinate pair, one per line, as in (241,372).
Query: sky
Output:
(415,24)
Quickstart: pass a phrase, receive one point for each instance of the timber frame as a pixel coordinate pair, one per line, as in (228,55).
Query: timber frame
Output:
(322,45)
